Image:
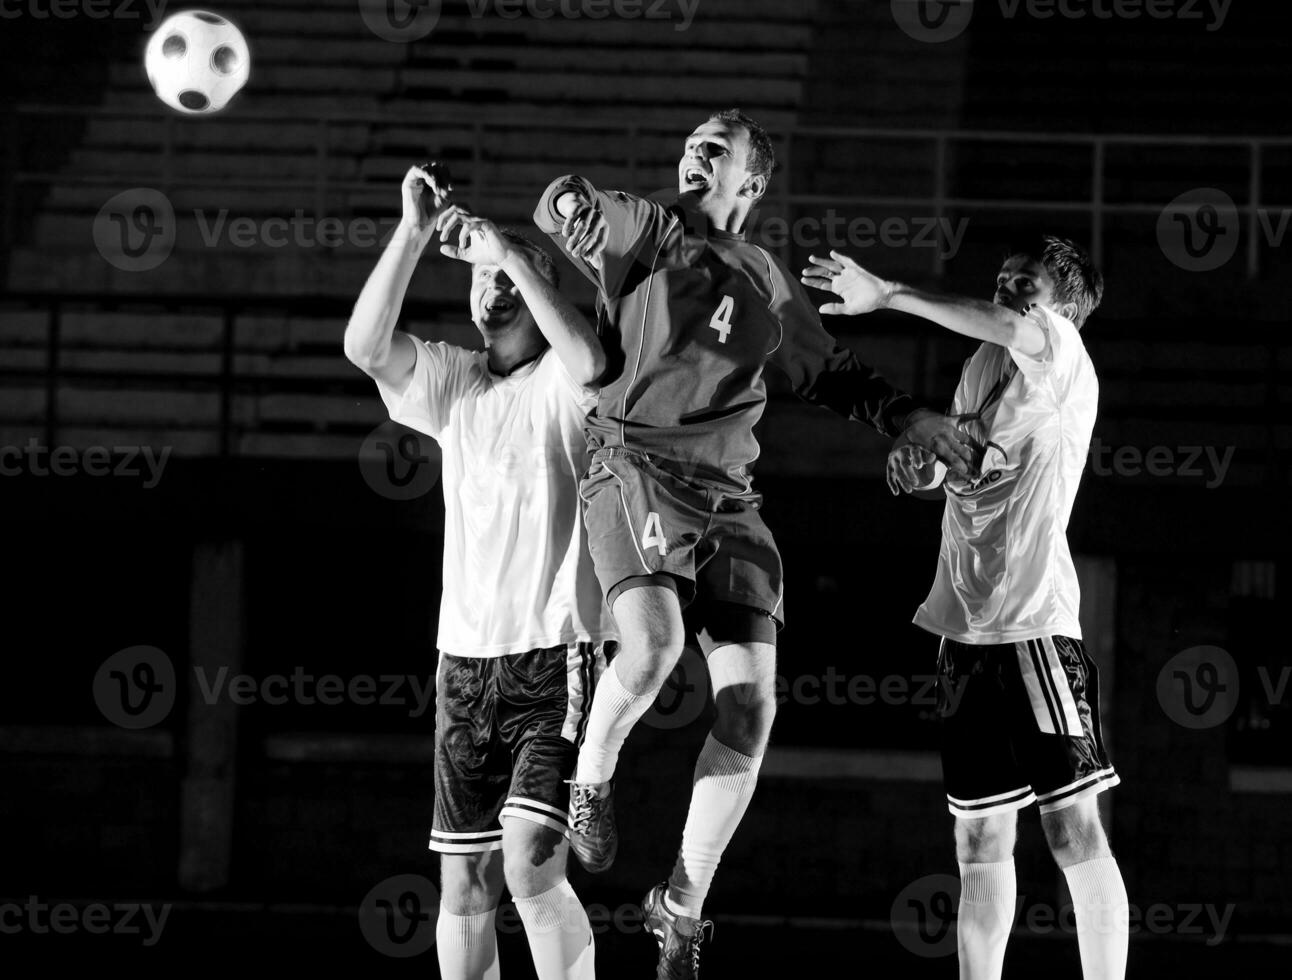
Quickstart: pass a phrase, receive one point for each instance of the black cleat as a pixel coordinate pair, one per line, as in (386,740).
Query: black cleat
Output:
(593,836)
(679,937)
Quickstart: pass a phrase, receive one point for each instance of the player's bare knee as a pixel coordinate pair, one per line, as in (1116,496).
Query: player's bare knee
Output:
(533,857)
(467,883)
(745,717)
(986,840)
(1075,834)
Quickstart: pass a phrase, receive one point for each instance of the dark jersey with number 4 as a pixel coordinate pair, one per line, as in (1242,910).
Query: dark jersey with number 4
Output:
(689,317)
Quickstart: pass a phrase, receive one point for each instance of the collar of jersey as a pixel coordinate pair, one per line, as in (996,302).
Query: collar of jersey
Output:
(517,367)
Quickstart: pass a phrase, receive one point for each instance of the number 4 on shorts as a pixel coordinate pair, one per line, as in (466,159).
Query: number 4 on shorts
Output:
(653,536)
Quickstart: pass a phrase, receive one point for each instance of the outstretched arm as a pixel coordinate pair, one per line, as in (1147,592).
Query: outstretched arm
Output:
(860,291)
(822,372)
(371,343)
(566,329)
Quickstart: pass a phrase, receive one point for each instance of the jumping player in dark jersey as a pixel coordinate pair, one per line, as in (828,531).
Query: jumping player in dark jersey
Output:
(690,313)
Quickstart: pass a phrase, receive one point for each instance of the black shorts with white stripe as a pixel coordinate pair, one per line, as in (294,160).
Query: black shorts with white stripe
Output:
(1020,724)
(507,733)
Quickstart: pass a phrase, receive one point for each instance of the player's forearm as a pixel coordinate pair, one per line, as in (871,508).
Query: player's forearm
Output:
(372,323)
(566,329)
(974,318)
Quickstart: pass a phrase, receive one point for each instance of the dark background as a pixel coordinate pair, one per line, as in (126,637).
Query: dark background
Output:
(263,548)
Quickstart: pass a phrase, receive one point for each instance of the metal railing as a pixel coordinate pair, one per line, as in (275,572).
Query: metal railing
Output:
(635,157)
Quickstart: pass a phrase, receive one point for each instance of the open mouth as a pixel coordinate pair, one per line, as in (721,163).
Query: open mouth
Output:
(499,305)
(695,178)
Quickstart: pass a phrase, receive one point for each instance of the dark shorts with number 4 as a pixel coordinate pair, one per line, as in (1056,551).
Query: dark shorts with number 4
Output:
(507,733)
(646,523)
(1020,724)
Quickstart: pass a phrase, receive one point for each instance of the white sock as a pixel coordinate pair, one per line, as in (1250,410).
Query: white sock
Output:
(615,711)
(1103,917)
(988,896)
(467,946)
(724,782)
(560,936)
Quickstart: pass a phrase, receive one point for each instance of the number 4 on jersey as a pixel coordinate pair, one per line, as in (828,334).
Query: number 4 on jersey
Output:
(721,321)
(653,536)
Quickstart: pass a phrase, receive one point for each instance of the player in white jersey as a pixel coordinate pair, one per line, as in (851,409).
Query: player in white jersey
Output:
(523,629)
(1005,599)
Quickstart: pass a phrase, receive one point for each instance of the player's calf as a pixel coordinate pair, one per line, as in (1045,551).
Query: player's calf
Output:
(1099,901)
(465,939)
(556,924)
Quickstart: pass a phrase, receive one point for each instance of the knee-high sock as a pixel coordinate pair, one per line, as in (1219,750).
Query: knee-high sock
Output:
(724,782)
(560,936)
(1103,917)
(615,710)
(467,946)
(988,895)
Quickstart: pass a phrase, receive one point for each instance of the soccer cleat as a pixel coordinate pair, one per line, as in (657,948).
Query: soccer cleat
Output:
(593,836)
(679,937)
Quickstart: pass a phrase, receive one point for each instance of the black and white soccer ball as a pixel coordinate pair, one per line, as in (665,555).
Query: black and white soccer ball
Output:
(197,61)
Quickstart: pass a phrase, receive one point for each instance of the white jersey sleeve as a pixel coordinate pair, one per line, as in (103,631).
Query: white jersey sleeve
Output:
(440,376)
(1053,367)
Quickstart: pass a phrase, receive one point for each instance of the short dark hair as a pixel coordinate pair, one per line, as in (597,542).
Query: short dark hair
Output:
(544,262)
(1076,280)
(762,158)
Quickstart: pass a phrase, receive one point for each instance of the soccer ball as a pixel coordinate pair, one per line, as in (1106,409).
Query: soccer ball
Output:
(197,61)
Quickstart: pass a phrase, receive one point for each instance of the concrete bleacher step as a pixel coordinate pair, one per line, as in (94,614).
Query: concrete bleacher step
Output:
(690,62)
(219,162)
(283,273)
(269,79)
(608,87)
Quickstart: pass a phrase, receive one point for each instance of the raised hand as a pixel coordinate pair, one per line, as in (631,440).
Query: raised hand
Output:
(860,290)
(586,232)
(426,192)
(479,240)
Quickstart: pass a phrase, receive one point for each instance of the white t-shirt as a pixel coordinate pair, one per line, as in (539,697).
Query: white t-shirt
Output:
(517,574)
(1004,570)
